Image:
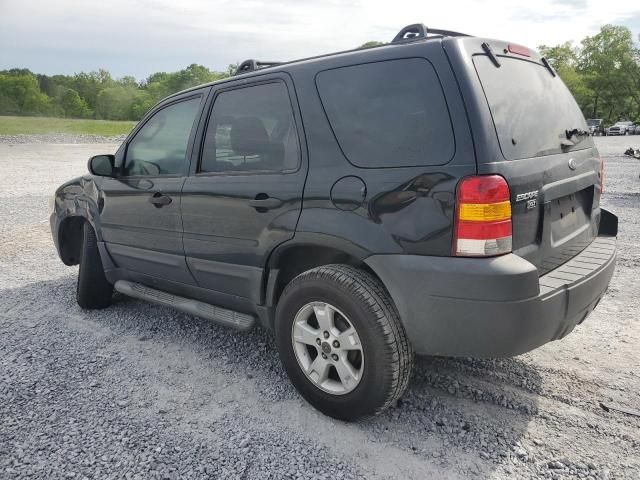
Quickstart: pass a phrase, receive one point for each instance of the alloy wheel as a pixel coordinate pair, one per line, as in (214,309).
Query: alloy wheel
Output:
(327,348)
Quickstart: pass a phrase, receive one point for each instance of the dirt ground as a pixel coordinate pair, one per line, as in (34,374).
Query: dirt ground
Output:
(140,391)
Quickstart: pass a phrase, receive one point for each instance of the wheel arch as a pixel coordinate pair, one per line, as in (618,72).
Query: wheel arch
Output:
(293,258)
(76,204)
(70,239)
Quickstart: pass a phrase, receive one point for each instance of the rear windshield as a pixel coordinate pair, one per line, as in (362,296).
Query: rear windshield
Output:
(531,108)
(388,114)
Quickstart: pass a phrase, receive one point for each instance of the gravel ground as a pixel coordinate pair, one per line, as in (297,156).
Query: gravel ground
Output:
(140,391)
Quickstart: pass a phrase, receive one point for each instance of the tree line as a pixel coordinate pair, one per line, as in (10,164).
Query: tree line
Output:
(602,72)
(94,94)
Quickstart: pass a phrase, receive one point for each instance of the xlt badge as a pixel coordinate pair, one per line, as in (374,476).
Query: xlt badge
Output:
(530,197)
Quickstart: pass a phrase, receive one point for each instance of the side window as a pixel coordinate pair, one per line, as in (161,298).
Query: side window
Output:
(251,129)
(160,146)
(388,114)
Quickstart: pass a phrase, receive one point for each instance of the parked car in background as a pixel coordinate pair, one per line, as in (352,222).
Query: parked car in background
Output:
(620,128)
(634,129)
(596,126)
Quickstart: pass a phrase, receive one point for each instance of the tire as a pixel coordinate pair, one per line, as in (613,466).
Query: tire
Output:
(93,290)
(382,365)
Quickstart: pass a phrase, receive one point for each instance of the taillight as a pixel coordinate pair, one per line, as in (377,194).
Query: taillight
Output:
(483,217)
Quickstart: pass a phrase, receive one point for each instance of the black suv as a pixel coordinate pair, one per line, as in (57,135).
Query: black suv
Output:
(439,195)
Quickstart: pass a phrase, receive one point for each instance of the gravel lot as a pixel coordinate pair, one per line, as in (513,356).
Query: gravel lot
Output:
(140,391)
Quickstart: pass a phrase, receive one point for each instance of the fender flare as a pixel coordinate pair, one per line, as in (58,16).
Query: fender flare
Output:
(304,240)
(321,240)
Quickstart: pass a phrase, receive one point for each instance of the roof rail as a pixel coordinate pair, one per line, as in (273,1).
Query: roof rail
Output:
(251,65)
(420,30)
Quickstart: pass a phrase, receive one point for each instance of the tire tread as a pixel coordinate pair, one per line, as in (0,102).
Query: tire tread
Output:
(93,291)
(371,292)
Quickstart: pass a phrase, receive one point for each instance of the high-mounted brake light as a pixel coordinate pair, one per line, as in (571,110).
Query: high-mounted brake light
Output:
(519,50)
(483,217)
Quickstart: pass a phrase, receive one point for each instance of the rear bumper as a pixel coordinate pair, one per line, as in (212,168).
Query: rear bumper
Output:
(494,307)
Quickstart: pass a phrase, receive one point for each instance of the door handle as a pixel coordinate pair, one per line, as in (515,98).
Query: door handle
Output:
(159,200)
(263,204)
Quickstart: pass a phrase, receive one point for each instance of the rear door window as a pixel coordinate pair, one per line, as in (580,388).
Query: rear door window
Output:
(388,114)
(251,129)
(531,108)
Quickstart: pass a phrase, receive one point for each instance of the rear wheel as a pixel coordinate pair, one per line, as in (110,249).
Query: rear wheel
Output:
(93,291)
(341,342)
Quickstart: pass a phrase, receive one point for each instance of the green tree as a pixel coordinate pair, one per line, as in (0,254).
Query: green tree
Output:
(608,63)
(560,56)
(371,43)
(603,73)
(191,76)
(89,85)
(564,59)
(20,94)
(74,106)
(127,81)
(142,103)
(114,103)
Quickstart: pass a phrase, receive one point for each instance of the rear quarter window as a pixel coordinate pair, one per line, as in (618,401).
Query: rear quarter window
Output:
(388,114)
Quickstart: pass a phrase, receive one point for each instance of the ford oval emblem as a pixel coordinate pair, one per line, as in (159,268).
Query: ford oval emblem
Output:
(572,164)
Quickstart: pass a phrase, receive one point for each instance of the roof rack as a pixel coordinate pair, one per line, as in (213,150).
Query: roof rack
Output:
(251,65)
(420,30)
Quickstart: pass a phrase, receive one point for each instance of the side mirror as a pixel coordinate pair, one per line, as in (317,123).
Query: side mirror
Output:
(102,165)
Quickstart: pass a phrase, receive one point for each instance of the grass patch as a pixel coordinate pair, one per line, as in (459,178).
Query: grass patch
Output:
(43,125)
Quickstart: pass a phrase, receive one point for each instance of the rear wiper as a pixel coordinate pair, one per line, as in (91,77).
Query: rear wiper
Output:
(573,137)
(492,56)
(548,66)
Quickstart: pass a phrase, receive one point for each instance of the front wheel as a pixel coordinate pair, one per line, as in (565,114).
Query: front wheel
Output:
(341,342)
(93,291)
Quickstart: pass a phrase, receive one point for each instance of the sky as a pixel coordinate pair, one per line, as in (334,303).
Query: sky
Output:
(140,37)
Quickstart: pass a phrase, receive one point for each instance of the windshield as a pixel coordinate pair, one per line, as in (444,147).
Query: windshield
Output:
(623,124)
(593,122)
(532,110)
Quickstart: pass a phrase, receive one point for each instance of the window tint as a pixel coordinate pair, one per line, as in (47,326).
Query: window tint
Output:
(251,129)
(388,114)
(531,108)
(160,147)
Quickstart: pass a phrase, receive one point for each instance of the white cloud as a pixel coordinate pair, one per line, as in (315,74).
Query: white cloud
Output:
(141,36)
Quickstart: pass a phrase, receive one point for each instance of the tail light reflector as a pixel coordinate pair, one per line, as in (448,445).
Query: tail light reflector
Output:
(483,217)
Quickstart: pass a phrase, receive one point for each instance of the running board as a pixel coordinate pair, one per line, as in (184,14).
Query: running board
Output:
(229,318)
